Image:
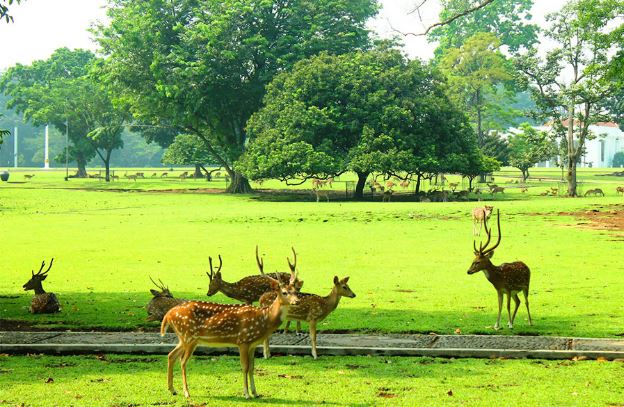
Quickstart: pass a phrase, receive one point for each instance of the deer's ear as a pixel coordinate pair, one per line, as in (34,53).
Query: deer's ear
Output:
(275,285)
(44,277)
(155,293)
(336,280)
(345,280)
(490,255)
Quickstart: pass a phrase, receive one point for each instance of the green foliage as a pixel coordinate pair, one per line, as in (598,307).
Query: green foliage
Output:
(365,112)
(202,66)
(474,71)
(187,149)
(529,147)
(618,159)
(63,90)
(4,9)
(571,83)
(505,19)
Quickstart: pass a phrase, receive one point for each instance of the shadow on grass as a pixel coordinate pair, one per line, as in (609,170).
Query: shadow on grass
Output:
(126,312)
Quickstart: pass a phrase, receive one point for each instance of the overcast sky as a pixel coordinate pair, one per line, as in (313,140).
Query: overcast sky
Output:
(41,26)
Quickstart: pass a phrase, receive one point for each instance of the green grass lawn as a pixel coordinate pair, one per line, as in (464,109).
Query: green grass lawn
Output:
(407,261)
(109,380)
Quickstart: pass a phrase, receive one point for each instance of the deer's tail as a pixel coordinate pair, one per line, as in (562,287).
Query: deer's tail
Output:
(164,324)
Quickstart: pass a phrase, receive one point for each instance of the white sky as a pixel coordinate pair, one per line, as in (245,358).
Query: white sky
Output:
(41,26)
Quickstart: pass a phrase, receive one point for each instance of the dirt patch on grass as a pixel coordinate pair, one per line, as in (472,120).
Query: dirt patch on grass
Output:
(13,325)
(609,218)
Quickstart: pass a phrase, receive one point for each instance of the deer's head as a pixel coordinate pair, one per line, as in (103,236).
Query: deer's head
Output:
(484,254)
(36,279)
(215,278)
(286,294)
(342,287)
(164,290)
(488,211)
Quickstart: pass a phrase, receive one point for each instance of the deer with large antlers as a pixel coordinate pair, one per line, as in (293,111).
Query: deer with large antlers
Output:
(508,278)
(311,308)
(245,326)
(161,302)
(42,302)
(250,288)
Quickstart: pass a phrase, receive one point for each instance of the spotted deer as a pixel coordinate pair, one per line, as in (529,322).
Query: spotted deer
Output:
(311,308)
(244,326)
(507,278)
(130,176)
(161,302)
(596,191)
(250,288)
(619,190)
(478,216)
(42,302)
(320,193)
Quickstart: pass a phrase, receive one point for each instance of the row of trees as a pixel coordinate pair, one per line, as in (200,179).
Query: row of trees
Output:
(298,89)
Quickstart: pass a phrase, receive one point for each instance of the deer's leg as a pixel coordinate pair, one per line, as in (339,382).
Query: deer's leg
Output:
(266,349)
(509,320)
(313,337)
(500,308)
(243,349)
(286,327)
(517,301)
(252,363)
(298,329)
(526,301)
(171,359)
(188,352)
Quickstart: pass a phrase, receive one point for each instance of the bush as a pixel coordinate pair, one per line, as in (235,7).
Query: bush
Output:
(618,159)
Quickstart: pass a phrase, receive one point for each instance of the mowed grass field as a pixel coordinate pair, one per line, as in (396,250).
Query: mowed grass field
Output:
(407,260)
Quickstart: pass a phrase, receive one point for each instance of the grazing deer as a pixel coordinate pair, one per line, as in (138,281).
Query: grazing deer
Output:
(245,326)
(492,186)
(114,177)
(130,176)
(42,302)
(497,189)
(619,190)
(507,278)
(453,185)
(162,302)
(250,288)
(319,193)
(29,176)
(164,175)
(405,184)
(310,308)
(154,175)
(479,215)
(596,191)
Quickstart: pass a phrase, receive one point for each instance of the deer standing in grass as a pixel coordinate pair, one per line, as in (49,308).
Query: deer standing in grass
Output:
(311,308)
(245,326)
(250,288)
(42,302)
(619,190)
(162,302)
(479,215)
(507,278)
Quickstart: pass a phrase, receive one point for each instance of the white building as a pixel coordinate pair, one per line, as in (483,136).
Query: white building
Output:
(599,151)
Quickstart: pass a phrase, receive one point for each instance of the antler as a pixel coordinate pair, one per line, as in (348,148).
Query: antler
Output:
(489,234)
(293,267)
(41,268)
(162,286)
(212,272)
(260,262)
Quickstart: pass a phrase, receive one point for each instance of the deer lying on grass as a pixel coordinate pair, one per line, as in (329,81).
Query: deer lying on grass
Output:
(310,308)
(478,216)
(250,288)
(245,326)
(162,302)
(42,302)
(596,191)
(507,278)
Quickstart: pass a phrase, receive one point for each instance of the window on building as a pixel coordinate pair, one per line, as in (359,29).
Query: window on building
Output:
(602,150)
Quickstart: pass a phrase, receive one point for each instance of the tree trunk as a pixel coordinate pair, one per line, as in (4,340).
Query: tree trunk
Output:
(81,163)
(361,183)
(417,185)
(238,183)
(198,171)
(571,154)
(470,179)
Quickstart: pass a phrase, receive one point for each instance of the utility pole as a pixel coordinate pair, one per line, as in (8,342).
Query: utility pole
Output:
(15,147)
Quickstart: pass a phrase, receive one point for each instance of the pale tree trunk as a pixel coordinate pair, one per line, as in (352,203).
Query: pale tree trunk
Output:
(571,154)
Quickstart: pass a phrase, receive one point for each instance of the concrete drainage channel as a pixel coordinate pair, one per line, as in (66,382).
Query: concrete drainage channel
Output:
(473,346)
